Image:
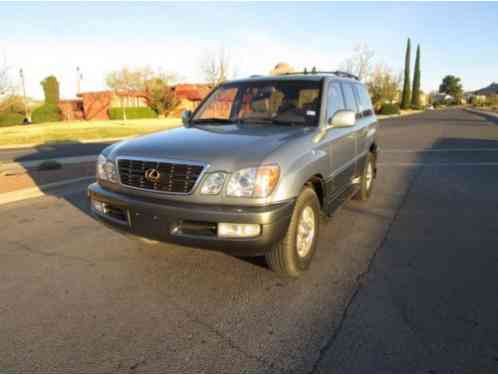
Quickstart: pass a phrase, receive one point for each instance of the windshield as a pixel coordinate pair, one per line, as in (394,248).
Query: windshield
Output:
(263,102)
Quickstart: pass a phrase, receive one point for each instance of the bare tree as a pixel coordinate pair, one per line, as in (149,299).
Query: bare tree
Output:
(5,83)
(125,80)
(216,67)
(360,63)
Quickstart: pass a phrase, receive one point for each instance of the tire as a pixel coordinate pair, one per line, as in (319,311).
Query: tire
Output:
(367,178)
(286,258)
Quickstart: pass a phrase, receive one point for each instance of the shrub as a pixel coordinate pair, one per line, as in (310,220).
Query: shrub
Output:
(131,113)
(46,113)
(389,109)
(10,118)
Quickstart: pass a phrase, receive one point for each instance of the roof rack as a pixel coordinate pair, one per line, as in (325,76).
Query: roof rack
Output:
(337,73)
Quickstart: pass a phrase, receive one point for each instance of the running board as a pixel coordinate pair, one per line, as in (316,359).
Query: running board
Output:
(337,202)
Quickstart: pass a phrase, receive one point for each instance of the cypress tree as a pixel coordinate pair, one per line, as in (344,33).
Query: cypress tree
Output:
(51,90)
(416,81)
(405,100)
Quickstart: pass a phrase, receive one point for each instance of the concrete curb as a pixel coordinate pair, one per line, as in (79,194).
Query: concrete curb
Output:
(31,145)
(476,111)
(38,191)
(385,117)
(31,164)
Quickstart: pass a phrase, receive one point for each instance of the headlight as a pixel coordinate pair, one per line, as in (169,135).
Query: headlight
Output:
(254,182)
(106,169)
(213,183)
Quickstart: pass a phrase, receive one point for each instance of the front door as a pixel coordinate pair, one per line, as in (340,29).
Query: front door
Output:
(343,140)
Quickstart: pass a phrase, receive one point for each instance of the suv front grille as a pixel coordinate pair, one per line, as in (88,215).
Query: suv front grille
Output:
(160,176)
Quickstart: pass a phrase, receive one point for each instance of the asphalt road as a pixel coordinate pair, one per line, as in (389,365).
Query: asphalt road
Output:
(407,282)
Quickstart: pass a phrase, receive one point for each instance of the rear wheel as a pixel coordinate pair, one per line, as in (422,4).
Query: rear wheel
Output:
(367,179)
(293,254)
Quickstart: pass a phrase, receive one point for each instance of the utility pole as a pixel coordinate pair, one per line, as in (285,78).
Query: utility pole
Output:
(78,80)
(27,117)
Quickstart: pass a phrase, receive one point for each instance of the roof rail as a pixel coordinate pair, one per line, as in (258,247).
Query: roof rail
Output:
(338,73)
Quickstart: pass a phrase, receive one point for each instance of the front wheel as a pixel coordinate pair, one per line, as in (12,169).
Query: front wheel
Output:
(293,254)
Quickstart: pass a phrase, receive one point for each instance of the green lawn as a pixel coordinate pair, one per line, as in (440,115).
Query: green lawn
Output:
(76,131)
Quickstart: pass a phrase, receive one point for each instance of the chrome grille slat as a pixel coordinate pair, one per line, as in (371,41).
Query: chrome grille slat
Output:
(176,177)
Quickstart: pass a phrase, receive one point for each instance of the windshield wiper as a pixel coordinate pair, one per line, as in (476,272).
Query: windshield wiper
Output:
(286,123)
(212,120)
(253,120)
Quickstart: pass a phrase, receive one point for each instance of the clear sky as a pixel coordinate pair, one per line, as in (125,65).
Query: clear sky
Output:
(54,38)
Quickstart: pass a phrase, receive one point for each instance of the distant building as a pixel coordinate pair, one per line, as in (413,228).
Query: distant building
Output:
(95,105)
(281,68)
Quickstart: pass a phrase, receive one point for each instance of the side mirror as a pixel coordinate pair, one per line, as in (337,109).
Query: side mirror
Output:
(342,119)
(186,117)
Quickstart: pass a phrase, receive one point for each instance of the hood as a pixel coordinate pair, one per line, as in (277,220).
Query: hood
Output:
(223,147)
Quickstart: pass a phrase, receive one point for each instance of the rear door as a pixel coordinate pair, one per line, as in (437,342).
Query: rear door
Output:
(367,116)
(366,119)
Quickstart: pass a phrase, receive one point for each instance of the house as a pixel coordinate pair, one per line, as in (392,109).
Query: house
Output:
(190,96)
(490,90)
(94,105)
(442,98)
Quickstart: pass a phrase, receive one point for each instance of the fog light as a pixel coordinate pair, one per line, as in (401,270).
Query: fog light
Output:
(98,206)
(235,230)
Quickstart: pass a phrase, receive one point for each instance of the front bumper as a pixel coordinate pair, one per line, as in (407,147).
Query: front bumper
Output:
(192,224)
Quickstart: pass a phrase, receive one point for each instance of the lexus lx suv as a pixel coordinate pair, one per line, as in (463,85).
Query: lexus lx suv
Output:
(251,170)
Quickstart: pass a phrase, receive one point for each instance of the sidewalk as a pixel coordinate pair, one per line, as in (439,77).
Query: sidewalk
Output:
(14,180)
(20,183)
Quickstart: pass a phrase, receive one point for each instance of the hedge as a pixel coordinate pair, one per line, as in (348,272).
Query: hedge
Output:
(389,109)
(11,118)
(131,113)
(46,113)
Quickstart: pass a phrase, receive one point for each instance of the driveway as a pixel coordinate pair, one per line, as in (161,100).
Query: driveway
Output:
(407,282)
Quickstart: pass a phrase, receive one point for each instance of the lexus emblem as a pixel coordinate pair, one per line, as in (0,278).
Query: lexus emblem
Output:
(152,175)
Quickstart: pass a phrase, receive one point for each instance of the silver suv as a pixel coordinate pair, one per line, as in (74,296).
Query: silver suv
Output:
(251,170)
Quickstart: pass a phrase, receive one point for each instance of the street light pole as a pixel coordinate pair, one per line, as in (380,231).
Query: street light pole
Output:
(78,79)
(21,73)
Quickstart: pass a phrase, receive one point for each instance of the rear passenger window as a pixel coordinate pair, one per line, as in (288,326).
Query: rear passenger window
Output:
(349,97)
(335,101)
(364,101)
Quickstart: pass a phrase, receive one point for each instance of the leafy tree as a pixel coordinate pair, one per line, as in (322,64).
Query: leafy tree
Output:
(160,97)
(416,81)
(51,90)
(405,99)
(383,86)
(451,85)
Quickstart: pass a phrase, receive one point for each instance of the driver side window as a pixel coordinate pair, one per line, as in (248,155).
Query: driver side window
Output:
(335,101)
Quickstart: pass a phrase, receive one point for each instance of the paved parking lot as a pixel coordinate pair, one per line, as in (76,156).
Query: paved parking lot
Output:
(407,282)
